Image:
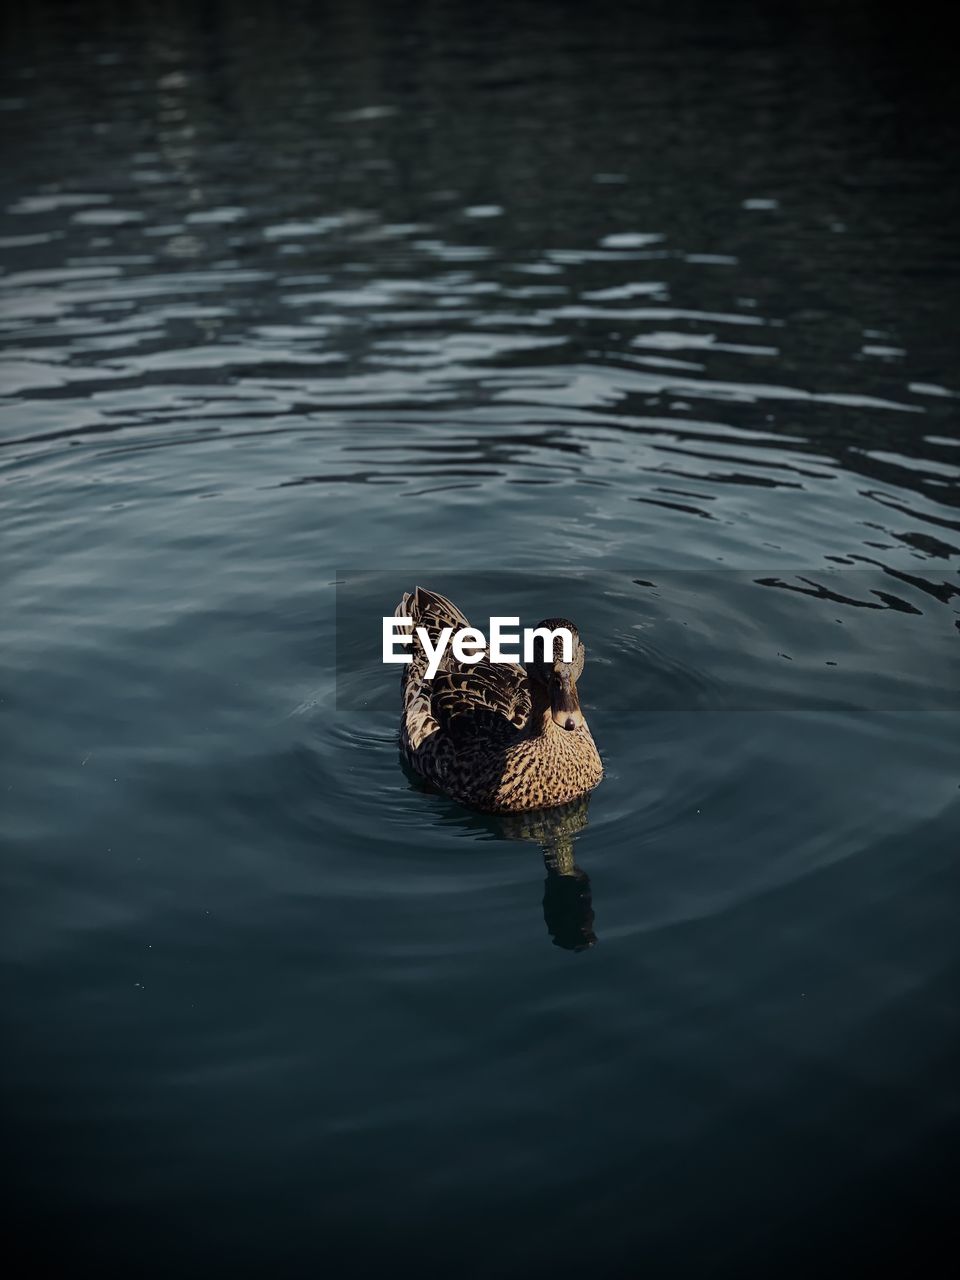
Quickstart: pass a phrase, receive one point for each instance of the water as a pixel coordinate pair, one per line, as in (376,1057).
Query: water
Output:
(654,308)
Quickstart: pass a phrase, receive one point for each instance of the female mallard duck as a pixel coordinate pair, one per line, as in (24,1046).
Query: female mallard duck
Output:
(492,735)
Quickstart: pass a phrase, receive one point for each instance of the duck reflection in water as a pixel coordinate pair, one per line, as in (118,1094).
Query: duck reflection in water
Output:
(567,899)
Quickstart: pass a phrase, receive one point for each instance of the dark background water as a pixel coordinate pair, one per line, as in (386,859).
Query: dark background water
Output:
(652,306)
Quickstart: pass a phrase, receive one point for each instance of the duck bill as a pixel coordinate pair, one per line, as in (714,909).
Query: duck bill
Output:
(564,702)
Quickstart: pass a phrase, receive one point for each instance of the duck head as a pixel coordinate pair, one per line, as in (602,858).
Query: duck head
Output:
(558,679)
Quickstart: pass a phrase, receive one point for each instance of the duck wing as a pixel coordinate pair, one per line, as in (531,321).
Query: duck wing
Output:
(467,701)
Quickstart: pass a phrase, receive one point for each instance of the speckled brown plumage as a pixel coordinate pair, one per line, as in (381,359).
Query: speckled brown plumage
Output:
(485,733)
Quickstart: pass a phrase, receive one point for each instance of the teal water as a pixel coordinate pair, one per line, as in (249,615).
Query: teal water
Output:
(641,315)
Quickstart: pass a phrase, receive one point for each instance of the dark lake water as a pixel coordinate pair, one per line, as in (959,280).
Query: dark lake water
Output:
(642,315)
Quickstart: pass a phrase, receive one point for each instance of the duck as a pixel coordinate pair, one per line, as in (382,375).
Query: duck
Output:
(497,737)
